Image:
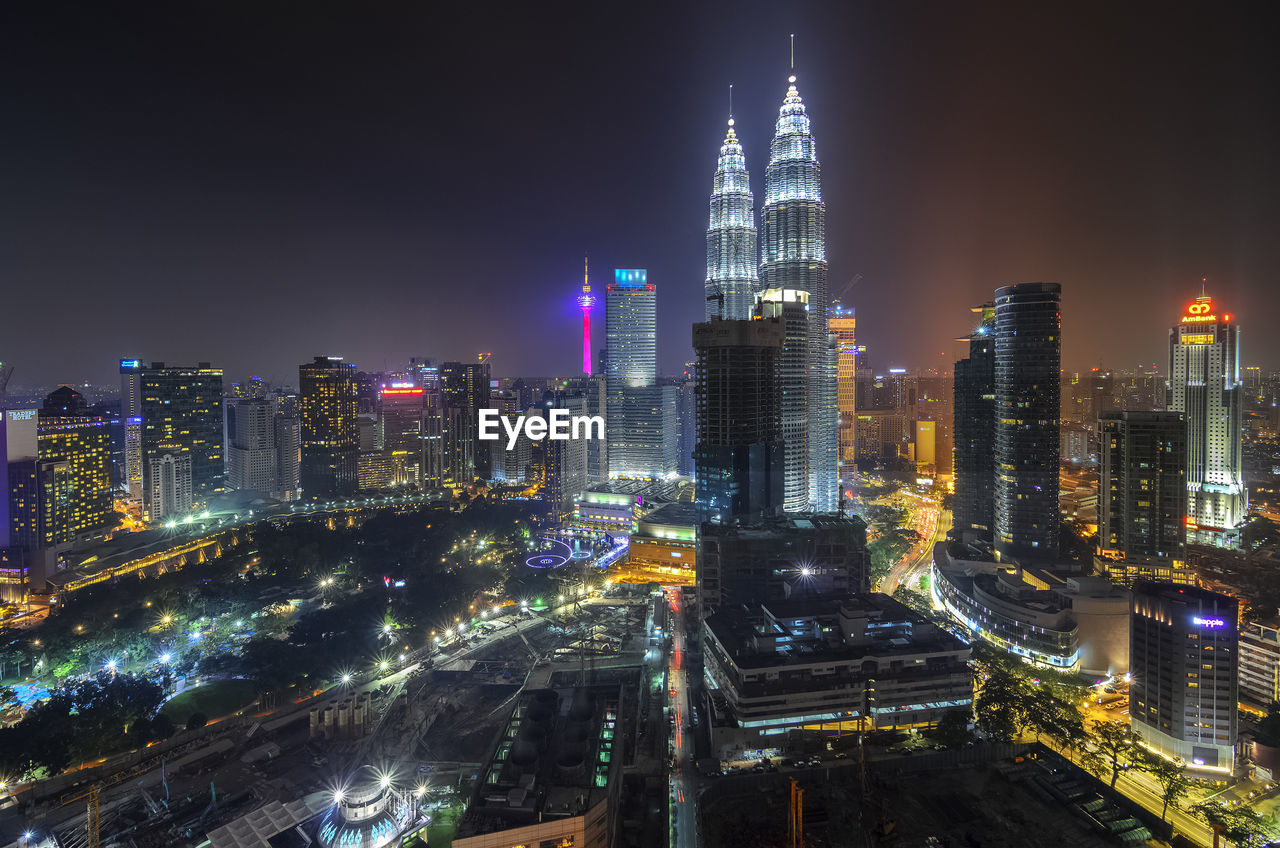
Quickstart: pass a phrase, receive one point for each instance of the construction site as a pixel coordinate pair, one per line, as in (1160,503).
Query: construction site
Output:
(371,762)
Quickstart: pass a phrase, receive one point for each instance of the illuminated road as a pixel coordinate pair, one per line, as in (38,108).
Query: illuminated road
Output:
(1143,790)
(684,816)
(932,523)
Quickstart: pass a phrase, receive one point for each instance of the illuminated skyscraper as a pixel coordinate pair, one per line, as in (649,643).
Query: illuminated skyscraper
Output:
(74,447)
(182,414)
(843,323)
(465,391)
(1204,385)
(640,417)
(794,258)
(6,371)
(131,419)
(731,237)
(1028,362)
(329,427)
(586,302)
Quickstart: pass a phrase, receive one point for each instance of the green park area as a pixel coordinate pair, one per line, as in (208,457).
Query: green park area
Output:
(210,700)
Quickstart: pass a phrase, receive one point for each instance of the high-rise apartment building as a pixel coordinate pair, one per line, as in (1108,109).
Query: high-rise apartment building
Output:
(1028,356)
(131,420)
(1142,487)
(74,448)
(1184,660)
(731,237)
(251,444)
(182,414)
(631,330)
(330,432)
(738,454)
(1204,385)
(169,491)
(843,323)
(975,433)
(793,257)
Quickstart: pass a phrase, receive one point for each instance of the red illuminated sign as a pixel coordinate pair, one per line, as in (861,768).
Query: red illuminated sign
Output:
(415,391)
(1199,311)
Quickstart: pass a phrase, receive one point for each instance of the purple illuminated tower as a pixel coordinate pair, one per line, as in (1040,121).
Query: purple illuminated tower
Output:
(586,301)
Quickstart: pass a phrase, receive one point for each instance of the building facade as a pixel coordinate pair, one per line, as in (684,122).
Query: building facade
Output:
(329,428)
(1259,663)
(825,665)
(1028,359)
(170,492)
(1184,660)
(74,447)
(792,308)
(975,433)
(790,556)
(1142,488)
(131,419)
(793,256)
(182,414)
(1204,385)
(738,454)
(251,445)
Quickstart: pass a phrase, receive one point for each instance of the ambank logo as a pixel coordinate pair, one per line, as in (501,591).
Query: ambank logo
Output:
(559,426)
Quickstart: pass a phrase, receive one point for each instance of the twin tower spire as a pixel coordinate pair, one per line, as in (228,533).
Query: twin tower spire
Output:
(793,221)
(790,267)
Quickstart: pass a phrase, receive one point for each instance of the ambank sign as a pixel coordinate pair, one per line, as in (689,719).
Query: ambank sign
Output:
(559,426)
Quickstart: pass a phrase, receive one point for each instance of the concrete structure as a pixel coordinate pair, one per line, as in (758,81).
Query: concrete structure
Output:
(827,664)
(794,555)
(607,512)
(251,445)
(169,486)
(1259,663)
(1204,385)
(1184,661)
(555,777)
(1054,619)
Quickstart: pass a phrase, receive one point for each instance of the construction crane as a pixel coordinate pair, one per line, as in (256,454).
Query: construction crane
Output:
(93,821)
(795,820)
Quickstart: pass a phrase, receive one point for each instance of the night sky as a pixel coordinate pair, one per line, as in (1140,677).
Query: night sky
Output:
(256,184)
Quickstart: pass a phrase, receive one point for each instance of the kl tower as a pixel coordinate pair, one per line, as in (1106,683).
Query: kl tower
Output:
(586,301)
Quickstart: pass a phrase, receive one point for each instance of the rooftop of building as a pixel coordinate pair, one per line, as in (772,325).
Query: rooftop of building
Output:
(790,522)
(674,514)
(554,759)
(748,633)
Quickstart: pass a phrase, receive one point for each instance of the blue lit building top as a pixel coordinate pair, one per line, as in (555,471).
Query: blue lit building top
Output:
(630,277)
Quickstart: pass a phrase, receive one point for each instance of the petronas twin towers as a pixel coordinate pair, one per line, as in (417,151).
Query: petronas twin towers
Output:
(792,268)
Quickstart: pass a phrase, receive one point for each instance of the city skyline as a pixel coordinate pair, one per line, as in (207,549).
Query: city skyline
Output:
(161,190)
